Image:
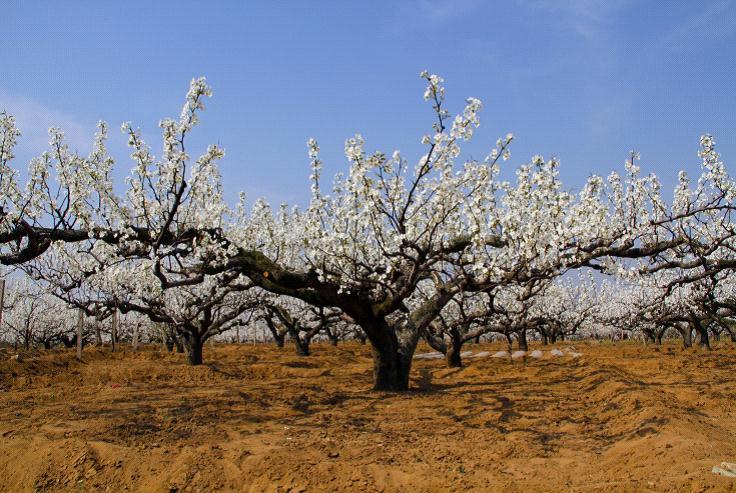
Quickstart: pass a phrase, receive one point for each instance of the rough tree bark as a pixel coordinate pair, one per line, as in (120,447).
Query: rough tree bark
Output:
(521,340)
(453,350)
(193,344)
(703,338)
(391,367)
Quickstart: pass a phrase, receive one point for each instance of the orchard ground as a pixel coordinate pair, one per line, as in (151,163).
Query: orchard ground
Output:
(623,417)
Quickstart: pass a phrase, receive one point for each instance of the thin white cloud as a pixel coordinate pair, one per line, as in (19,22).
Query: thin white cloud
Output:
(423,14)
(713,21)
(587,18)
(443,10)
(34,119)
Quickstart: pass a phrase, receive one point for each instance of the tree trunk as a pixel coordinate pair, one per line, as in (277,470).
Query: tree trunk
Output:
(277,335)
(477,339)
(704,340)
(545,339)
(523,344)
(301,346)
(98,335)
(80,330)
(194,344)
(179,344)
(390,368)
(114,331)
(454,348)
(509,340)
(333,340)
(68,343)
(687,337)
(658,337)
(452,356)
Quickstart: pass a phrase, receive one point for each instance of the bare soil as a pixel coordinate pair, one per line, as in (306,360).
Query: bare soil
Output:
(257,418)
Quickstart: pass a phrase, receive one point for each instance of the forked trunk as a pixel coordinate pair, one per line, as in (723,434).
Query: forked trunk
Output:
(301,346)
(391,358)
(545,339)
(278,335)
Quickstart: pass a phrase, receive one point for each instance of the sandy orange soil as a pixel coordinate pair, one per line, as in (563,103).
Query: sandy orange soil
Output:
(257,418)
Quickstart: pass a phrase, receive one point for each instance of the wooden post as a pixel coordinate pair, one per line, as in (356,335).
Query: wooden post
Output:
(114,331)
(80,329)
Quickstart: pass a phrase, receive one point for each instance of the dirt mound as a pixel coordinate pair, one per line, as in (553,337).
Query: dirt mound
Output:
(622,418)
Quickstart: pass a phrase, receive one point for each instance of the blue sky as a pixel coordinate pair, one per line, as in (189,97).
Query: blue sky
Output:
(582,80)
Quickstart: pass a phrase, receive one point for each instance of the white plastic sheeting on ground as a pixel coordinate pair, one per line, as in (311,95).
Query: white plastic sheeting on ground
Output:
(435,355)
(518,354)
(501,354)
(536,354)
(556,352)
(482,354)
(727,469)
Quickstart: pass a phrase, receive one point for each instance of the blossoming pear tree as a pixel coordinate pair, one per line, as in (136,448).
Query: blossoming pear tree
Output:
(390,246)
